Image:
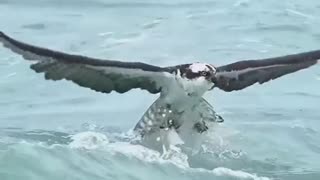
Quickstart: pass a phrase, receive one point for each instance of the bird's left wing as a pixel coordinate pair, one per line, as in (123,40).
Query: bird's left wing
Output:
(242,74)
(97,74)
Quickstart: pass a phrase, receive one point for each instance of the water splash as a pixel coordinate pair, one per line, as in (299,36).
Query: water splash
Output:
(94,141)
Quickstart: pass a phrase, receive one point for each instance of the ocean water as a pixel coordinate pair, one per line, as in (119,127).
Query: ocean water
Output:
(57,130)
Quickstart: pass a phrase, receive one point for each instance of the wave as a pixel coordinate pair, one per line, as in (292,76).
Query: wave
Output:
(91,155)
(302,94)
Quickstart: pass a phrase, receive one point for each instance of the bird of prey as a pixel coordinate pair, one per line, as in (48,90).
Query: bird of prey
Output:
(181,87)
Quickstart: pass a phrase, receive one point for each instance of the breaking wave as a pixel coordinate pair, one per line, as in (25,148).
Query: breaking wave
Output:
(93,155)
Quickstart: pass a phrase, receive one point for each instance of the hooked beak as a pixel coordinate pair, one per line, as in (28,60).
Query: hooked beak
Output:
(213,79)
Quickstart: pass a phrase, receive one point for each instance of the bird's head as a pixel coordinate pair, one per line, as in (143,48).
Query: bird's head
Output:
(199,71)
(197,77)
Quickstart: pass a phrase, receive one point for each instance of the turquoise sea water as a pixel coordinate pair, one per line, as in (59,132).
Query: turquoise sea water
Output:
(57,130)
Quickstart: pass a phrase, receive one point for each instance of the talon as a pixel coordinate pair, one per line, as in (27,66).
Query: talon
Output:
(219,119)
(172,124)
(200,127)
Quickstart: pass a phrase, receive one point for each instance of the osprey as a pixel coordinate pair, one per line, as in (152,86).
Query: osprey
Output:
(180,105)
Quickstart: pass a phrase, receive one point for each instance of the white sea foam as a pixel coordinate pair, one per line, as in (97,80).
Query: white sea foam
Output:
(92,140)
(152,24)
(298,13)
(222,171)
(88,140)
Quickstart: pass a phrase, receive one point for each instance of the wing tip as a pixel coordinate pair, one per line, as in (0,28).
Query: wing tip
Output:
(3,36)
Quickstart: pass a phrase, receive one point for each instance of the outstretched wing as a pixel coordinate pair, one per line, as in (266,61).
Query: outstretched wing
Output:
(239,75)
(96,74)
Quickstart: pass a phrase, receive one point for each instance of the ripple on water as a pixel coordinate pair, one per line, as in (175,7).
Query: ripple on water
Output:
(35,26)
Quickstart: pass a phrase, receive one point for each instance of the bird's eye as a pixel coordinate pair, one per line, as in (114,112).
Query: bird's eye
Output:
(204,73)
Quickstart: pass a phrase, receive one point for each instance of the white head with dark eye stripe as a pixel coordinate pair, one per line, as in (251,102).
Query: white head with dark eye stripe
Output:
(196,78)
(200,70)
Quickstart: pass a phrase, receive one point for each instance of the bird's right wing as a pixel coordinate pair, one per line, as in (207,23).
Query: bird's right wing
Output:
(97,74)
